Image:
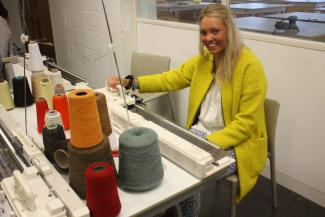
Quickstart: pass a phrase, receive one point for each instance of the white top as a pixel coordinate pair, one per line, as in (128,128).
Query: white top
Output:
(5,35)
(211,118)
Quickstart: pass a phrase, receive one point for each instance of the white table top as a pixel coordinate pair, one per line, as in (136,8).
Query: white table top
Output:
(176,184)
(176,181)
(320,9)
(301,16)
(303,1)
(308,30)
(180,6)
(254,6)
(251,9)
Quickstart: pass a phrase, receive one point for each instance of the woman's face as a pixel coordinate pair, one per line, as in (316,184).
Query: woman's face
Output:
(213,34)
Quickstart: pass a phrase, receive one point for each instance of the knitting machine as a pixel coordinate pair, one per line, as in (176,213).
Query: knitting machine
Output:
(194,154)
(31,186)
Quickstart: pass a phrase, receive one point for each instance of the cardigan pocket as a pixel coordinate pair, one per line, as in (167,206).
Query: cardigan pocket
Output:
(256,154)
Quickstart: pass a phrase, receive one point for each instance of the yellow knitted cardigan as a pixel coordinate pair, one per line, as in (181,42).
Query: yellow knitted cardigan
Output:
(242,104)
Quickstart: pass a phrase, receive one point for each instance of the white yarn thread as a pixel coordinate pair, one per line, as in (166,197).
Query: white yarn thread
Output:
(47,92)
(10,73)
(5,95)
(55,77)
(53,117)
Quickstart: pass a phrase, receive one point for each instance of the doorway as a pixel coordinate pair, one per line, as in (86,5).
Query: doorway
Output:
(38,24)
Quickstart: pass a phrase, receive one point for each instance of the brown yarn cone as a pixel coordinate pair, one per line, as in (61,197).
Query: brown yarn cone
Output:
(103,114)
(80,159)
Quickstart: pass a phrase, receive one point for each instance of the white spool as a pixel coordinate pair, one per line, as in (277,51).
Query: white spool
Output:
(10,73)
(5,99)
(47,92)
(55,77)
(36,63)
(53,117)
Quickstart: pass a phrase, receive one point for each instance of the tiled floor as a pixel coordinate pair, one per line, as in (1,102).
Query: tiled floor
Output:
(258,203)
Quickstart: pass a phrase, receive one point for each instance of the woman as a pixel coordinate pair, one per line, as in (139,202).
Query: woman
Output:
(5,32)
(227,93)
(5,35)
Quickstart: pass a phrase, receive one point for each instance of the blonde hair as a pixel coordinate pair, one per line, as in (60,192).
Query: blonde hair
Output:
(234,41)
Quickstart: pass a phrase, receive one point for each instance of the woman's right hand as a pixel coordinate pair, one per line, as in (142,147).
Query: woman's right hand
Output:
(112,82)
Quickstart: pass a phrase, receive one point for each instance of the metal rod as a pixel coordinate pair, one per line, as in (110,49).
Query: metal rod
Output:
(25,95)
(115,59)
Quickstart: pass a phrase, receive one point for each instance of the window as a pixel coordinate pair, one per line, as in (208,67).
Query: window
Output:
(303,19)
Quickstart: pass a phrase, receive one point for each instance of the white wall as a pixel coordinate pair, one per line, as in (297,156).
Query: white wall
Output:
(82,41)
(295,78)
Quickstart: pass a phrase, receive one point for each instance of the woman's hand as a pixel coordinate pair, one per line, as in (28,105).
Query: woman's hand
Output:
(114,81)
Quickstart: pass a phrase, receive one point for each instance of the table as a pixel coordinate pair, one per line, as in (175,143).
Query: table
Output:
(318,3)
(320,10)
(257,9)
(180,6)
(177,184)
(301,16)
(307,30)
(185,11)
(302,5)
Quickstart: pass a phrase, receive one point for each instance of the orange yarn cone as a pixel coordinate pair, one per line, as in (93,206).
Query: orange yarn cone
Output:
(85,126)
(60,104)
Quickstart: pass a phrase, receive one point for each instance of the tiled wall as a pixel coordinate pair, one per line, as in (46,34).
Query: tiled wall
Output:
(82,41)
